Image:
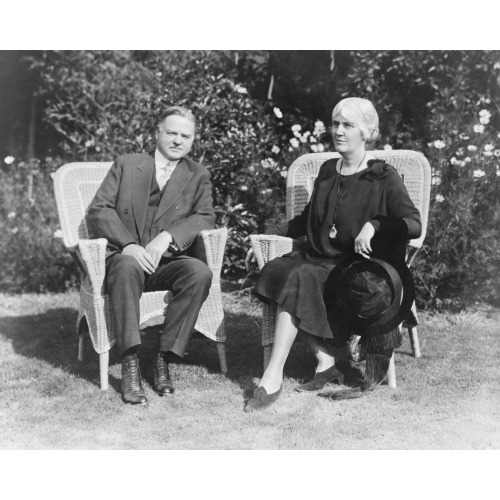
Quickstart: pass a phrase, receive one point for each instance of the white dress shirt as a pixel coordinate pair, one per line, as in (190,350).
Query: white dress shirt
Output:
(164,168)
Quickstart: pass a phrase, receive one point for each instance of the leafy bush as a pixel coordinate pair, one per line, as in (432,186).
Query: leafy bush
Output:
(445,104)
(99,104)
(32,256)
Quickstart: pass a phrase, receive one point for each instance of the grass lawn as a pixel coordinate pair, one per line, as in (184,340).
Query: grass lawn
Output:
(448,399)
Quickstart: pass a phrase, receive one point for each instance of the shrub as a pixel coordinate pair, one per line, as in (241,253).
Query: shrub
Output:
(32,256)
(444,104)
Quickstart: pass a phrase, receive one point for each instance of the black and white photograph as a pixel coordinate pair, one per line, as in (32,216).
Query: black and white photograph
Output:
(238,249)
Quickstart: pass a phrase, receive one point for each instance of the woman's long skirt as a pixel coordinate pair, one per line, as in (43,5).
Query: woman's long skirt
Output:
(296,282)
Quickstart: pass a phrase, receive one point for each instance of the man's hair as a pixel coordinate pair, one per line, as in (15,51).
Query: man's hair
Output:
(179,111)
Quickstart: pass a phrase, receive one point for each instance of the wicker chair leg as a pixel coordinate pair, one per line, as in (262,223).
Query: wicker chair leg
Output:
(415,345)
(82,345)
(83,334)
(391,373)
(221,349)
(103,369)
(268,349)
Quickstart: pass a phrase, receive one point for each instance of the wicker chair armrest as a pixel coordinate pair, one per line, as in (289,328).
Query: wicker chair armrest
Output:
(209,246)
(91,255)
(267,247)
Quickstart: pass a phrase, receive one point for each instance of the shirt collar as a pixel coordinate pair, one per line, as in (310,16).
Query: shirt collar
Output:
(161,161)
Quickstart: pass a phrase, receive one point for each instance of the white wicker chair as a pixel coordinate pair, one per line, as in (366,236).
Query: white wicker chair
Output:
(416,173)
(75,185)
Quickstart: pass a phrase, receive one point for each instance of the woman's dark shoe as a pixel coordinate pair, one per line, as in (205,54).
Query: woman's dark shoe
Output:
(162,382)
(131,385)
(321,379)
(261,399)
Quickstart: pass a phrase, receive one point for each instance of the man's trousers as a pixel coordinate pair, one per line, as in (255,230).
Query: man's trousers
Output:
(188,279)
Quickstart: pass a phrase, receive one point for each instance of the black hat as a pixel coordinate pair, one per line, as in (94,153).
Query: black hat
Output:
(368,296)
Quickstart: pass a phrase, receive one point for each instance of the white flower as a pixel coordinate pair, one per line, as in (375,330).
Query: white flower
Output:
(268,163)
(266,192)
(484,116)
(496,152)
(387,147)
(488,150)
(478,173)
(464,137)
(439,198)
(240,89)
(454,161)
(243,188)
(159,73)
(296,128)
(471,147)
(479,129)
(460,152)
(278,113)
(467,160)
(321,148)
(58,234)
(319,128)
(15,230)
(314,148)
(11,215)
(9,160)
(436,180)
(275,149)
(439,144)
(89,143)
(284,174)
(312,139)
(294,142)
(498,173)
(496,65)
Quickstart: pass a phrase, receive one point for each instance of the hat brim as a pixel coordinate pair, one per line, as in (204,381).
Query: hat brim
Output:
(341,314)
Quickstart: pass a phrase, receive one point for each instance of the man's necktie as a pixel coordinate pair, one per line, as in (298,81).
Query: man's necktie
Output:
(164,173)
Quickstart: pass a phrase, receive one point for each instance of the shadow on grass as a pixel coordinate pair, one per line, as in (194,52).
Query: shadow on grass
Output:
(52,337)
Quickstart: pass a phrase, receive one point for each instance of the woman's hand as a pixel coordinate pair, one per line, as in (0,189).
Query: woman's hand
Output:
(362,242)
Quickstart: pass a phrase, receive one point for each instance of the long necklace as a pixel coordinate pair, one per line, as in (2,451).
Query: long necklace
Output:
(333,231)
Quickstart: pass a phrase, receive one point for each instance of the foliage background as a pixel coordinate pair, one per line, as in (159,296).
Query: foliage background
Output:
(258,111)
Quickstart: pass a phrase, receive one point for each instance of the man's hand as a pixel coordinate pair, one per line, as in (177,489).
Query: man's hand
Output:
(362,242)
(142,256)
(158,246)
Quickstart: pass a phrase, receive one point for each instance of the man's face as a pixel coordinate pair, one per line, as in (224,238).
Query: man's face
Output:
(174,137)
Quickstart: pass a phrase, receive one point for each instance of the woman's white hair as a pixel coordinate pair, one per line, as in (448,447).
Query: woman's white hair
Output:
(363,113)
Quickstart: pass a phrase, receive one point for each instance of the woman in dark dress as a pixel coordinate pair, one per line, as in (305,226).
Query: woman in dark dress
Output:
(354,198)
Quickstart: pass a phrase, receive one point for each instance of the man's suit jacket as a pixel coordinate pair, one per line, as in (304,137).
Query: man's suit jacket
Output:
(119,208)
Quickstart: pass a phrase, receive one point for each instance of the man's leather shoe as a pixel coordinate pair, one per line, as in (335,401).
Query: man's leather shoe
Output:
(261,399)
(131,385)
(162,382)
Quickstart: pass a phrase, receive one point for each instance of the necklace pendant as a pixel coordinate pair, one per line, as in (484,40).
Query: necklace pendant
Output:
(333,232)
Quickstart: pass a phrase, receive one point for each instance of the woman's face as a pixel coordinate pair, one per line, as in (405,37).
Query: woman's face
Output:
(347,136)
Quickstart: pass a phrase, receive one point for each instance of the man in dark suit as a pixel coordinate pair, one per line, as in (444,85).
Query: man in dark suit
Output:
(151,209)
